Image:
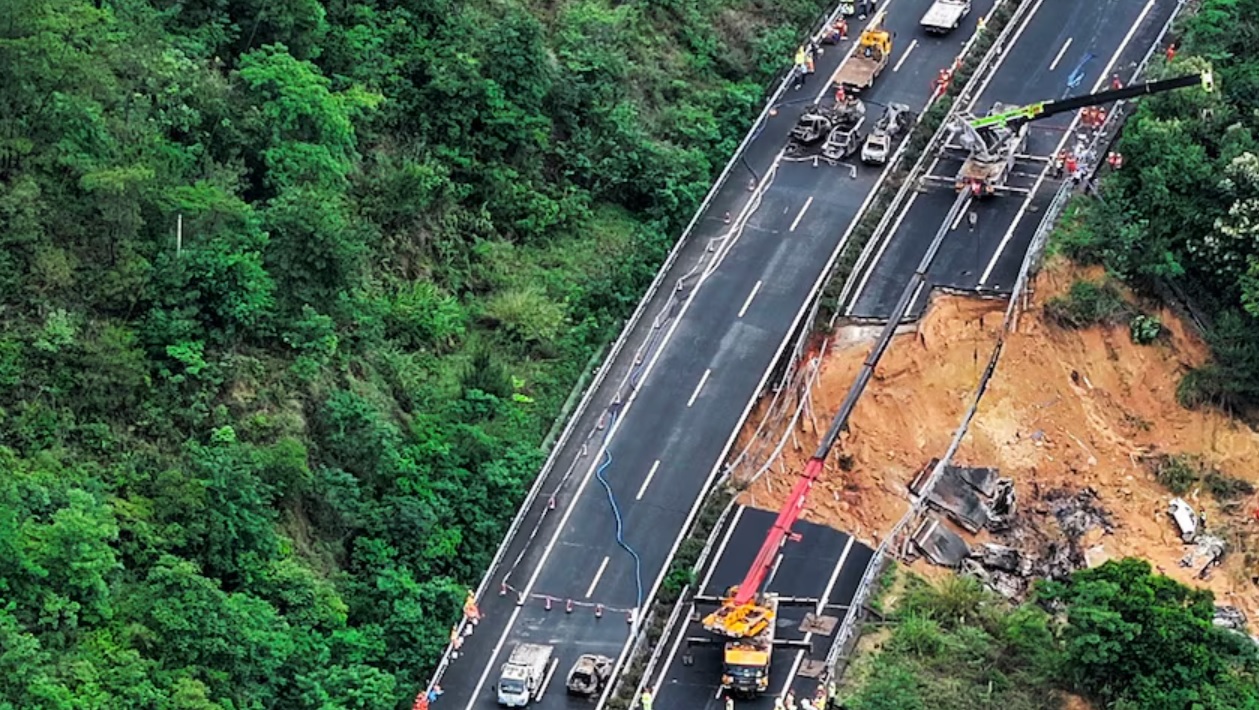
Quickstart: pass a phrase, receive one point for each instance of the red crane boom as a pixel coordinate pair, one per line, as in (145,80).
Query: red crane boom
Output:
(778,534)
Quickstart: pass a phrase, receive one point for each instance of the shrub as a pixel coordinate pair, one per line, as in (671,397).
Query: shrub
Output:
(1087,303)
(1145,329)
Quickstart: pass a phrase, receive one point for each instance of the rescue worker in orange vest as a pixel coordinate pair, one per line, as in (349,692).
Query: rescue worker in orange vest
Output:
(942,81)
(1171,52)
(1115,83)
(1071,165)
(1100,117)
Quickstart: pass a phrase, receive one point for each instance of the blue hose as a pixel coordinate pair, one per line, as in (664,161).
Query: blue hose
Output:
(620,525)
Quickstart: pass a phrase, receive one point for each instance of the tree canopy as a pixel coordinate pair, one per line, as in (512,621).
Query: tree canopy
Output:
(291,294)
(1181,217)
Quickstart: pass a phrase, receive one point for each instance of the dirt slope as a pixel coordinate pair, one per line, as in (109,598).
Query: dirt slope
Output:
(1036,423)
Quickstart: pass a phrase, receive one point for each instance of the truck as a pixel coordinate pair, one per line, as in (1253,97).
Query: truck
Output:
(589,674)
(867,61)
(944,16)
(522,676)
(746,661)
(878,144)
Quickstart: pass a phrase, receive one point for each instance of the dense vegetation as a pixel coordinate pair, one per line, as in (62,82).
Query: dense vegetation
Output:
(1116,634)
(1181,217)
(257,467)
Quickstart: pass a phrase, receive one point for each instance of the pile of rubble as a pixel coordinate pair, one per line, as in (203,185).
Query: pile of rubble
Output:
(969,500)
(976,499)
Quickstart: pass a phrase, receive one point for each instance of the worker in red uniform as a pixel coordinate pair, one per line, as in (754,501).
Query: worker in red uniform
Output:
(1071,165)
(1115,83)
(1171,52)
(840,95)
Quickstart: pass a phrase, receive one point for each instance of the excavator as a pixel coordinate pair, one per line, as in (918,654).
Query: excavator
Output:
(990,145)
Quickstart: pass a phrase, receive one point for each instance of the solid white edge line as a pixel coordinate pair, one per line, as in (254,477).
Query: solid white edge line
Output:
(699,387)
(1054,64)
(800,214)
(1066,136)
(555,662)
(643,488)
(598,575)
(904,56)
(826,593)
(748,302)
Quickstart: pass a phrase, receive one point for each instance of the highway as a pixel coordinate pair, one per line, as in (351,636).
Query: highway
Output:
(702,368)
(824,564)
(1030,70)
(1064,42)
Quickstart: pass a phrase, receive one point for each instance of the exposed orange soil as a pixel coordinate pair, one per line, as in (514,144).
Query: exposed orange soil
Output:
(1034,423)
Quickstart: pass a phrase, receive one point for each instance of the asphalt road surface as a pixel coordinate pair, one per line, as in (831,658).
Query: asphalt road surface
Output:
(708,362)
(824,564)
(1067,48)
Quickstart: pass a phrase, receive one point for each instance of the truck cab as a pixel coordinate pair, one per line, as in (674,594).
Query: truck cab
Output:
(515,687)
(745,671)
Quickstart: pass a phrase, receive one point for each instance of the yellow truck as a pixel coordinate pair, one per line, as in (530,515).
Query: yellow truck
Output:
(874,49)
(746,661)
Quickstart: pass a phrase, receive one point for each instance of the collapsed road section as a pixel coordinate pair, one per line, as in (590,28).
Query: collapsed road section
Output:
(590,546)
(696,671)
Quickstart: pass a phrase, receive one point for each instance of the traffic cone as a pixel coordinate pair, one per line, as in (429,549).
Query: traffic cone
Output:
(751,185)
(598,611)
(551,503)
(726,219)
(568,606)
(548,603)
(502,590)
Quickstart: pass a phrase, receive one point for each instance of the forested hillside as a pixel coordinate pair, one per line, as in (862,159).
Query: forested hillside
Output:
(1180,219)
(258,465)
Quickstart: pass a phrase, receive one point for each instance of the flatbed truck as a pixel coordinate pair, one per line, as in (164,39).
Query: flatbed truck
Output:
(944,16)
(867,61)
(523,677)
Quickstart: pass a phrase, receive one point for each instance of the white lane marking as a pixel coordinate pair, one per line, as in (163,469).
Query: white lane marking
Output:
(1005,239)
(1066,136)
(905,56)
(712,565)
(821,604)
(595,582)
(645,482)
(699,387)
(596,460)
(983,85)
(1054,64)
(800,215)
(555,662)
(748,302)
(865,278)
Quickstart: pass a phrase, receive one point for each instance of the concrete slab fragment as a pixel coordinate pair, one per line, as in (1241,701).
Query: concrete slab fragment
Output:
(940,544)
